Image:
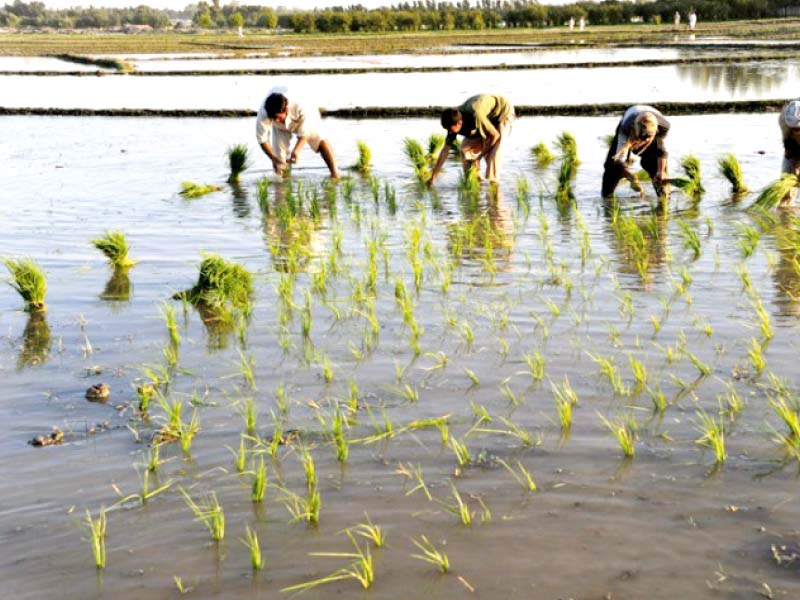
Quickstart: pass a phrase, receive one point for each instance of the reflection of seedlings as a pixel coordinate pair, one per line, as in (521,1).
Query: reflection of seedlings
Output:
(209,512)
(262,193)
(35,341)
(542,155)
(363,164)
(569,149)
(730,168)
(118,287)
(115,248)
(237,160)
(251,542)
(340,441)
(190,189)
(96,528)
(690,183)
(777,192)
(565,197)
(624,431)
(713,435)
(29,281)
(431,554)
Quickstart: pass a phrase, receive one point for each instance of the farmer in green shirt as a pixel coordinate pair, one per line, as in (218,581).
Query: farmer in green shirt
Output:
(484,121)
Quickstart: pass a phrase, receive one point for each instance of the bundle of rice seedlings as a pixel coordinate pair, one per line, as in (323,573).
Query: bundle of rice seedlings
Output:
(114,246)
(435,145)
(691,183)
(237,159)
(416,155)
(29,281)
(195,190)
(776,192)
(569,147)
(730,168)
(221,286)
(565,197)
(364,158)
(542,155)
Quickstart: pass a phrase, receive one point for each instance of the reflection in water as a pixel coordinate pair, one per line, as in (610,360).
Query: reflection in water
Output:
(486,231)
(787,271)
(640,242)
(291,230)
(241,206)
(35,341)
(219,324)
(735,78)
(118,287)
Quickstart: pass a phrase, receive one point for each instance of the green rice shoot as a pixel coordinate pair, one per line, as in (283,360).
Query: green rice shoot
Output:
(237,160)
(189,189)
(731,170)
(542,155)
(27,277)
(777,192)
(115,248)
(364,162)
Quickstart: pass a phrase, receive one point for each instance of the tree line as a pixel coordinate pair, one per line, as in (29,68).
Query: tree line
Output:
(406,16)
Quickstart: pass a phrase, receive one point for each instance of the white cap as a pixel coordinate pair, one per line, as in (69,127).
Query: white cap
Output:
(791,114)
(280,89)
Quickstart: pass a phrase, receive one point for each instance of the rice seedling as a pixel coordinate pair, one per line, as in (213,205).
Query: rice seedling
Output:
(624,431)
(411,472)
(221,287)
(168,314)
(713,435)
(472,377)
(564,411)
(362,569)
(259,487)
(390,194)
(416,156)
(340,441)
(371,532)
(327,370)
(237,161)
(776,192)
(764,321)
(639,372)
(240,455)
(190,189)
(748,238)
(521,474)
(565,197)
(542,155)
(364,161)
(691,241)
(29,281)
(732,402)
(251,543)
(535,364)
(691,183)
(115,248)
(568,146)
(701,367)
(435,145)
(460,508)
(658,399)
(730,168)
(96,529)
(431,554)
(756,354)
(187,431)
(461,451)
(789,413)
(609,369)
(209,512)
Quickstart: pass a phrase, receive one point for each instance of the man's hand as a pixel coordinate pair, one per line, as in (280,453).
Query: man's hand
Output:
(430,181)
(294,156)
(278,165)
(636,186)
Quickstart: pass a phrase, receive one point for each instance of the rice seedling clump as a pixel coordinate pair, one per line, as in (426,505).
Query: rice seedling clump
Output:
(237,159)
(115,248)
(221,286)
(777,192)
(190,189)
(29,281)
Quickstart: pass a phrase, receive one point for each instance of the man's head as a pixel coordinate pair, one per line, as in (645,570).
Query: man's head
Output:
(452,120)
(277,106)
(645,127)
(791,115)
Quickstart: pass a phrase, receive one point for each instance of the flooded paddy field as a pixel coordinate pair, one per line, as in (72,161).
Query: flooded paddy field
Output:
(687,83)
(445,331)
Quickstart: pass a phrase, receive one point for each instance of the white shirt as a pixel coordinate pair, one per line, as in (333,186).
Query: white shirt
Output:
(301,120)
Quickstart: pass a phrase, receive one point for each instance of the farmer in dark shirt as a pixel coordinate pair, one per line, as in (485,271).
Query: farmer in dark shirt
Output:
(484,121)
(790,129)
(641,132)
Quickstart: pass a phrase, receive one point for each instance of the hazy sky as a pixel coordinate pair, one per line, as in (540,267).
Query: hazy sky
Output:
(299,4)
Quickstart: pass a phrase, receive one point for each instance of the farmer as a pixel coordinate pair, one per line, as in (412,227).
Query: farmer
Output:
(484,121)
(283,118)
(641,132)
(790,129)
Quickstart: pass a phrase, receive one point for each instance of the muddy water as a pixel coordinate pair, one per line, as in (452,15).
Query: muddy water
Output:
(758,80)
(663,525)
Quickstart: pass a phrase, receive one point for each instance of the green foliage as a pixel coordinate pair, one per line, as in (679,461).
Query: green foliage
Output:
(690,183)
(776,192)
(195,190)
(115,248)
(363,164)
(29,281)
(542,155)
(223,287)
(730,168)
(237,160)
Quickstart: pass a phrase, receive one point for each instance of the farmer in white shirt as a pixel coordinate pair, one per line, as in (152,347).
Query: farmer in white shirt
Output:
(279,118)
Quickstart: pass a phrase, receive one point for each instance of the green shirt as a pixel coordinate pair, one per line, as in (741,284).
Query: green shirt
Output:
(487,112)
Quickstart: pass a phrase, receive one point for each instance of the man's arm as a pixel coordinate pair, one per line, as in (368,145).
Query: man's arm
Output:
(295,155)
(277,164)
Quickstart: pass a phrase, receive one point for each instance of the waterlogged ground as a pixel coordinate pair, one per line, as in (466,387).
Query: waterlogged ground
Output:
(687,83)
(502,277)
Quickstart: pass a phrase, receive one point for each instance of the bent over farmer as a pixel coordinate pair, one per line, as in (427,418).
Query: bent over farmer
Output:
(790,129)
(280,118)
(640,132)
(484,121)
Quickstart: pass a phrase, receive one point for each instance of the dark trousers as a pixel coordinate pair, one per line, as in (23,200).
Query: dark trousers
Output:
(614,172)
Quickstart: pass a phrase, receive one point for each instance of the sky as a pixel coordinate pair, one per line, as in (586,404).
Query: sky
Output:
(179,4)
